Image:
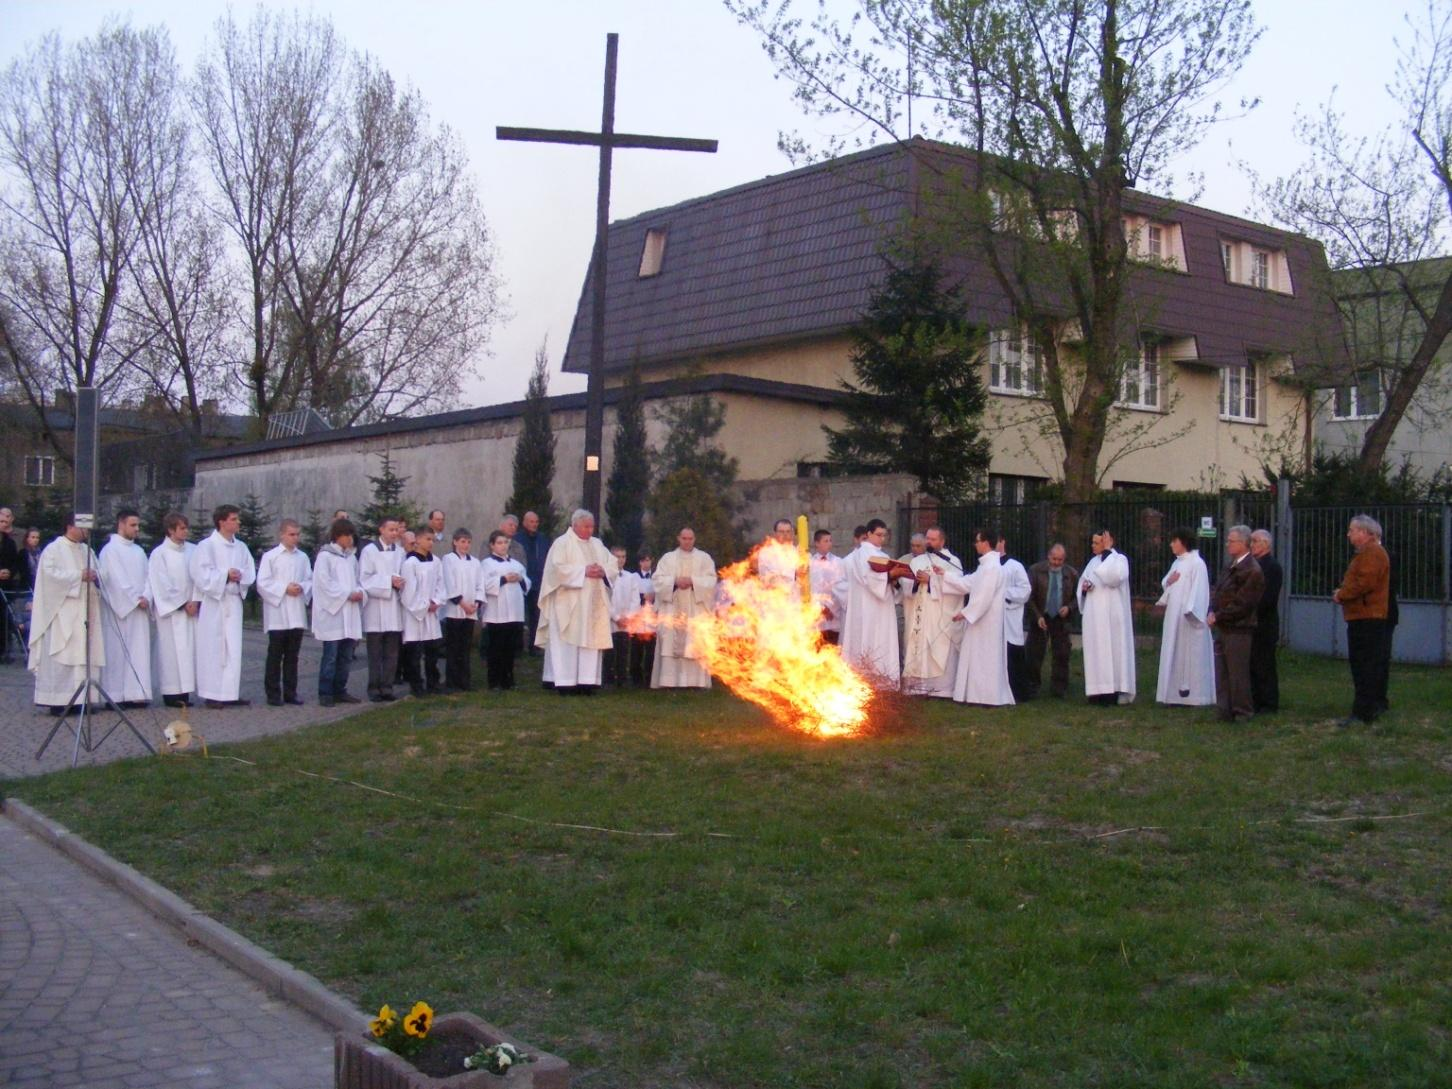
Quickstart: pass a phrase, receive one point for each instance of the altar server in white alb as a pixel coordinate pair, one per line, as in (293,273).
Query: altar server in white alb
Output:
(127,616)
(779,566)
(380,567)
(1187,652)
(424,596)
(930,606)
(503,585)
(825,570)
(222,572)
(1107,609)
(685,587)
(337,612)
(574,606)
(175,608)
(461,583)
(285,585)
(1016,592)
(983,658)
(869,630)
(65,608)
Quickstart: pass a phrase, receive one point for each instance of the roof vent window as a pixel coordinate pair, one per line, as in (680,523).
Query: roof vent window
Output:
(652,255)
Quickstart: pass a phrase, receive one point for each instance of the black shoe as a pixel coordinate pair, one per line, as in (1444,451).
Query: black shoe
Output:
(386,695)
(344,697)
(296,701)
(215,705)
(274,701)
(376,698)
(325,701)
(175,701)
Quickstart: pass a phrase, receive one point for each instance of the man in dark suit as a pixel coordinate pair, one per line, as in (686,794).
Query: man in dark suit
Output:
(1046,621)
(1265,683)
(1232,617)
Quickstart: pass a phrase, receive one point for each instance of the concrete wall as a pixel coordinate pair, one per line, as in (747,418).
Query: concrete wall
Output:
(832,503)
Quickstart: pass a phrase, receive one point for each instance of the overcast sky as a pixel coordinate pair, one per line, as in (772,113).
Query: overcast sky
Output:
(688,69)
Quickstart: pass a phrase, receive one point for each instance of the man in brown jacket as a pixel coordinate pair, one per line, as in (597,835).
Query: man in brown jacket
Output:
(1363,595)
(1046,620)
(1233,619)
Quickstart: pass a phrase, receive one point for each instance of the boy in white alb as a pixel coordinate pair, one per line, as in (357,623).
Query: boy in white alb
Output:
(422,597)
(461,579)
(285,585)
(222,572)
(624,604)
(502,586)
(337,612)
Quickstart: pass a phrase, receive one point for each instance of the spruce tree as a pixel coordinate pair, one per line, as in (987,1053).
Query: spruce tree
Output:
(256,527)
(387,500)
(917,398)
(629,485)
(534,453)
(697,485)
(314,531)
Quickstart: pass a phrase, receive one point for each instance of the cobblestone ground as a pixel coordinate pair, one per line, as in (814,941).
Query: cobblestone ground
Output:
(96,993)
(23,727)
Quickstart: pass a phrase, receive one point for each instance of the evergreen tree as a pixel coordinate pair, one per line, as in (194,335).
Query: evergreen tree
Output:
(534,453)
(692,423)
(387,501)
(917,398)
(687,497)
(314,531)
(629,485)
(256,528)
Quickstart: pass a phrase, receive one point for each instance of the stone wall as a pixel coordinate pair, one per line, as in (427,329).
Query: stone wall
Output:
(833,503)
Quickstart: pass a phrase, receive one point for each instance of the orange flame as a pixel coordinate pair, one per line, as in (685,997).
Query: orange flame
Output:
(762,642)
(643,622)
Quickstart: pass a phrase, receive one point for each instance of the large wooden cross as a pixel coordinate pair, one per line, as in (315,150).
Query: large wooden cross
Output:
(607,140)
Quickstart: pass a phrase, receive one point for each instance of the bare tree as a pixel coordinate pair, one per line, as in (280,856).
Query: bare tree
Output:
(1382,205)
(367,256)
(73,121)
(1067,105)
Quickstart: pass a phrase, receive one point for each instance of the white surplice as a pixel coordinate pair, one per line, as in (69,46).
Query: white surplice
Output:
(502,602)
(983,658)
(62,611)
(933,639)
(778,565)
(170,578)
(121,569)
(423,598)
(574,611)
(1016,591)
(1108,614)
(461,580)
(278,567)
(382,605)
(1187,653)
(219,623)
(869,628)
(825,573)
(335,579)
(677,661)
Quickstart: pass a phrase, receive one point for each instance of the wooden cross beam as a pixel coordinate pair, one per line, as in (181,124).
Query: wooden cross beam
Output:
(607,140)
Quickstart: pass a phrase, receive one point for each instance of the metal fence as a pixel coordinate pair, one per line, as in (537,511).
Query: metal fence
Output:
(1415,536)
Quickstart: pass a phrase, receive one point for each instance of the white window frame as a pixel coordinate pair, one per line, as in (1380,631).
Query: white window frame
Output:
(1352,390)
(1008,370)
(1146,373)
(1260,269)
(652,253)
(44,474)
(1242,392)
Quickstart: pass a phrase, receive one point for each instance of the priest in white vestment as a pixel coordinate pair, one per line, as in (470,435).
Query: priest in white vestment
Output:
(175,608)
(126,595)
(1108,611)
(982,676)
(1187,651)
(222,572)
(778,566)
(574,605)
(684,582)
(932,634)
(66,605)
(869,629)
(824,573)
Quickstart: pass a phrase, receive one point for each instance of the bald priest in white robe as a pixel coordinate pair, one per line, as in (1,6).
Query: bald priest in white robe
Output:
(175,610)
(1187,652)
(685,586)
(574,605)
(222,572)
(983,658)
(60,611)
(1108,612)
(869,630)
(932,634)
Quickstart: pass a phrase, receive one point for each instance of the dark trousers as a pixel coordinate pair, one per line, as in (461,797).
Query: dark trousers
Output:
(1018,677)
(1265,682)
(531,618)
(279,674)
(333,671)
(832,638)
(642,659)
(1383,702)
(504,642)
(457,635)
(1365,652)
(1232,673)
(615,669)
(1057,638)
(420,663)
(382,661)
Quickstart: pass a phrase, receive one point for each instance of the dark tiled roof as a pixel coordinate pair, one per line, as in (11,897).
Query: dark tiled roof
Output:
(675,387)
(797,255)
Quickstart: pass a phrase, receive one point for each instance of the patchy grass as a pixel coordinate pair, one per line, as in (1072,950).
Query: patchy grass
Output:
(1050,895)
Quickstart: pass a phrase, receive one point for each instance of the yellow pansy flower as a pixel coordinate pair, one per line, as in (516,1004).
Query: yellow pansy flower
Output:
(419,1019)
(384,1021)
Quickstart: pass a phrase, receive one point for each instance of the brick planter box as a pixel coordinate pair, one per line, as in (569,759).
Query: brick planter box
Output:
(359,1062)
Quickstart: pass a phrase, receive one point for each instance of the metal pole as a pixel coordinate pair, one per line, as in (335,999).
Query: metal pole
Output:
(595,387)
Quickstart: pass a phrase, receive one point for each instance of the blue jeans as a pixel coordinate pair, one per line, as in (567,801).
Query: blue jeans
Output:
(333,672)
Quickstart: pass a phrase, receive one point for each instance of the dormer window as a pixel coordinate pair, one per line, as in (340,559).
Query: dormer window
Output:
(652,254)
(1256,266)
(1155,242)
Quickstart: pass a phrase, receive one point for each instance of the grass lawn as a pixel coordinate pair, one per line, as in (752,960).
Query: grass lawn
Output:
(1048,895)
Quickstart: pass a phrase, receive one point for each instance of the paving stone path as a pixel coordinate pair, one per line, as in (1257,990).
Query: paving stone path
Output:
(95,993)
